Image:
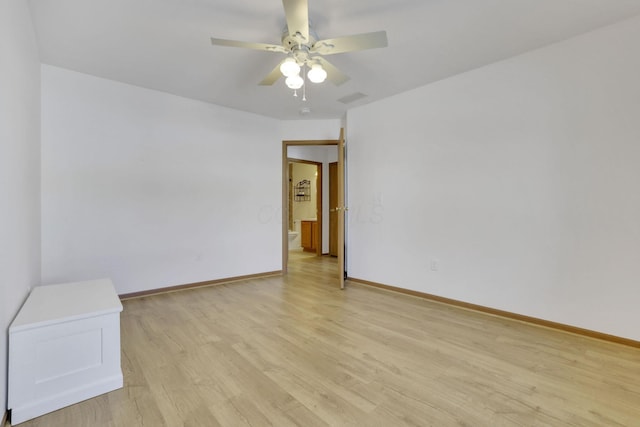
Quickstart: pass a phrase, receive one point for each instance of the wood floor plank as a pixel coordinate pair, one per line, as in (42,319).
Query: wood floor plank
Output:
(297,351)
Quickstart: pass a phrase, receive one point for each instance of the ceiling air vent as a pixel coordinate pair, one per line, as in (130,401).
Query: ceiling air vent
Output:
(352,98)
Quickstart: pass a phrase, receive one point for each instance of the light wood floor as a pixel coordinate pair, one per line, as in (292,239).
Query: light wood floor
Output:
(296,350)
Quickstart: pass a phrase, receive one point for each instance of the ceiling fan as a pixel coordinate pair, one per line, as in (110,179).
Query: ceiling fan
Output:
(304,50)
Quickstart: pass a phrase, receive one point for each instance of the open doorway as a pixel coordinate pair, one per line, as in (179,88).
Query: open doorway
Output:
(294,150)
(305,200)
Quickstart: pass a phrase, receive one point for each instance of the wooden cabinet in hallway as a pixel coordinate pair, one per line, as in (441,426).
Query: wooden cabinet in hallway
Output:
(309,235)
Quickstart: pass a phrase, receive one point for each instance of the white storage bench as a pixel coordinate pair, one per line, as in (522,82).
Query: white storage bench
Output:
(64,347)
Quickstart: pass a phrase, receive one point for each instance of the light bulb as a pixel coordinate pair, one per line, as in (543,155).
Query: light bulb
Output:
(317,74)
(289,67)
(294,81)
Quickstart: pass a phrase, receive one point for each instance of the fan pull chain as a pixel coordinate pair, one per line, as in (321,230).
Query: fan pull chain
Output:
(304,85)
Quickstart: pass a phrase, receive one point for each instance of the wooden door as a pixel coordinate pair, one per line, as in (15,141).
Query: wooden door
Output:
(341,210)
(333,213)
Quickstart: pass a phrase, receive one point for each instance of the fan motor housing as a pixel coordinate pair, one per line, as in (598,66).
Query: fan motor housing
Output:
(293,42)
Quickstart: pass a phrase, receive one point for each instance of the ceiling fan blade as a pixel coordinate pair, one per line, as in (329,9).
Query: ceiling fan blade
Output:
(351,43)
(272,77)
(297,14)
(247,45)
(334,75)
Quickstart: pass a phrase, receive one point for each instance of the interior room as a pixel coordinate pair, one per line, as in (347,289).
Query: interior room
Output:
(491,215)
(303,200)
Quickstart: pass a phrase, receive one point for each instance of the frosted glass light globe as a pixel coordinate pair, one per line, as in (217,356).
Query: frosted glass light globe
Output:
(289,67)
(317,74)
(294,82)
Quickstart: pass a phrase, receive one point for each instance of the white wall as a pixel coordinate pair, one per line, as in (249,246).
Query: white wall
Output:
(154,190)
(305,209)
(310,129)
(19,168)
(517,182)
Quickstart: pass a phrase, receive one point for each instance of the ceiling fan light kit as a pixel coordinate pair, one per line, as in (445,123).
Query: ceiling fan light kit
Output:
(317,74)
(289,67)
(303,49)
(294,82)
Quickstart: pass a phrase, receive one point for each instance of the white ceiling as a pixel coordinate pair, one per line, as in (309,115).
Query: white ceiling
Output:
(164,44)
